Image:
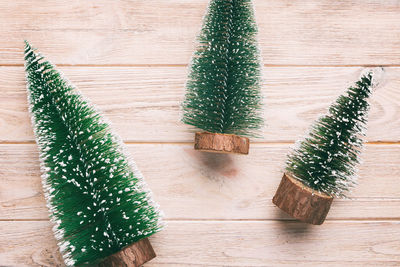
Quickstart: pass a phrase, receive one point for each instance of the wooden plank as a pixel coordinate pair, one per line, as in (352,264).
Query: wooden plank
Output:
(197,185)
(214,243)
(144,103)
(310,32)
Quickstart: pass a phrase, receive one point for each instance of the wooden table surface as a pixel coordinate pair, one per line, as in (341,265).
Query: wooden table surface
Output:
(130,58)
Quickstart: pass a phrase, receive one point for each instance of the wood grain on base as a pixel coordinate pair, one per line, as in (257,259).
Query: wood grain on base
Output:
(134,255)
(221,143)
(301,202)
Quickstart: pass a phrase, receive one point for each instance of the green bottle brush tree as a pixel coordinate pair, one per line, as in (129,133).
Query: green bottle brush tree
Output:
(223,89)
(99,203)
(323,165)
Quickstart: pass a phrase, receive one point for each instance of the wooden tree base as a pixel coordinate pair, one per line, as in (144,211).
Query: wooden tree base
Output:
(134,255)
(302,202)
(221,143)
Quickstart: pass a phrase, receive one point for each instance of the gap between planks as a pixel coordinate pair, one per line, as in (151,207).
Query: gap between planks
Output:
(186,65)
(368,219)
(129,142)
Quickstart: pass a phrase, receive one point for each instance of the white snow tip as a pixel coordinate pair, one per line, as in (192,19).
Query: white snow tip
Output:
(377,75)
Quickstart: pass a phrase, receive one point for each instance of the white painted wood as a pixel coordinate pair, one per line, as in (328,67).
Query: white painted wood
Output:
(195,185)
(144,103)
(226,243)
(309,32)
(132,58)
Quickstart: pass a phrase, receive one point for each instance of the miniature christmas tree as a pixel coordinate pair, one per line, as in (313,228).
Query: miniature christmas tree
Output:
(323,165)
(223,89)
(99,204)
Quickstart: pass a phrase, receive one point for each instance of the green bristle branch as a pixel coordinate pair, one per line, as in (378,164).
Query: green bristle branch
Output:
(97,198)
(326,160)
(223,88)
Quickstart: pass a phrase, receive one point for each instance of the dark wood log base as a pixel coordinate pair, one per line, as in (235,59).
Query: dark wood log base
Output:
(302,202)
(134,255)
(221,143)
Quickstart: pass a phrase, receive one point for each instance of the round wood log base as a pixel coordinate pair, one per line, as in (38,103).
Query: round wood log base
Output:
(302,202)
(134,255)
(221,143)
